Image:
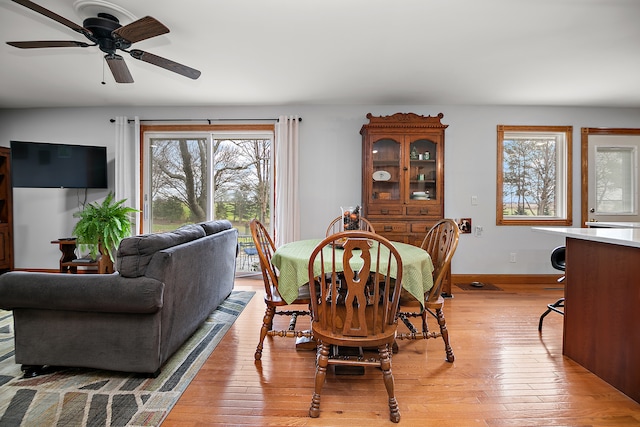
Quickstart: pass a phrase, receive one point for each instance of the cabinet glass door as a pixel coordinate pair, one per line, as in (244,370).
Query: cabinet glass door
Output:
(423,170)
(386,170)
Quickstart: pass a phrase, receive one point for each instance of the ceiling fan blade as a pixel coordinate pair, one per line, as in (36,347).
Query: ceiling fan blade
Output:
(49,14)
(49,43)
(167,64)
(119,68)
(143,28)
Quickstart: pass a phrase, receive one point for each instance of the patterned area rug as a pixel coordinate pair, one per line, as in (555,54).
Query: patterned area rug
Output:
(89,397)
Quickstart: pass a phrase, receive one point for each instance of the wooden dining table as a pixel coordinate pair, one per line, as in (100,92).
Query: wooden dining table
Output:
(292,262)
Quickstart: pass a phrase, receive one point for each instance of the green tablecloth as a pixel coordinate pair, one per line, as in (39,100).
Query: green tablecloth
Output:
(292,261)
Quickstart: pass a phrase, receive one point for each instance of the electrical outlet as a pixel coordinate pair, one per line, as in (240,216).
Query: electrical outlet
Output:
(512,257)
(474,200)
(479,230)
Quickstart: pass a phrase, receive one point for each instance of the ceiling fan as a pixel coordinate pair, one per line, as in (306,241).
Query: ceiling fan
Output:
(106,32)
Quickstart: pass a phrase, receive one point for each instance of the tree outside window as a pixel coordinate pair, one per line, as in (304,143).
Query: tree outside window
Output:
(534,175)
(180,182)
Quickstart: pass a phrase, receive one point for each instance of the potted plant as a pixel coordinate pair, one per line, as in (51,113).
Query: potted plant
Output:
(102,226)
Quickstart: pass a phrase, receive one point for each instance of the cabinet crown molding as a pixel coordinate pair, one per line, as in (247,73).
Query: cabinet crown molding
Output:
(405,120)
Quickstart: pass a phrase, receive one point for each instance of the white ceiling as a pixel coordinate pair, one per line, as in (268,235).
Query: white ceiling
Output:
(310,52)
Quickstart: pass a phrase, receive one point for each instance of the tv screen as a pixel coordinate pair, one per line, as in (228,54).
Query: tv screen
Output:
(45,165)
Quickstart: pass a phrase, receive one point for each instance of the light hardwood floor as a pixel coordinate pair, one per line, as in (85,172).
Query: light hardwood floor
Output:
(505,374)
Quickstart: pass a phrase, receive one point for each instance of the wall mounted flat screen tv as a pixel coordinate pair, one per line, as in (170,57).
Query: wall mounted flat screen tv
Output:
(46,165)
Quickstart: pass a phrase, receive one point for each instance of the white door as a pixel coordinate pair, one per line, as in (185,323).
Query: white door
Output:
(613,180)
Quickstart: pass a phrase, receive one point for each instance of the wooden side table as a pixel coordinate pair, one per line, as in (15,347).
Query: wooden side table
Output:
(69,262)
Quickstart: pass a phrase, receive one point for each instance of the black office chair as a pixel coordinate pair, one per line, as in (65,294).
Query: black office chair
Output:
(558,262)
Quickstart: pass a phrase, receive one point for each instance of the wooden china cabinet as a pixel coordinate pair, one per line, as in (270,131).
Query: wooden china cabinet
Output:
(403,175)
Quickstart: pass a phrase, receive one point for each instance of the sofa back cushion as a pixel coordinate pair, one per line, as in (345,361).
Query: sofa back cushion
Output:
(134,253)
(213,227)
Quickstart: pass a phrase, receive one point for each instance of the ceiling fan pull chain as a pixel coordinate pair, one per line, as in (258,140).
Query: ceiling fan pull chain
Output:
(103,61)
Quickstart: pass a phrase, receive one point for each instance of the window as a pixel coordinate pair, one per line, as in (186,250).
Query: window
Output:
(193,175)
(177,190)
(534,175)
(615,180)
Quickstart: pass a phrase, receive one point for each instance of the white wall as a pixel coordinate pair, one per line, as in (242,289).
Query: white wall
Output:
(330,171)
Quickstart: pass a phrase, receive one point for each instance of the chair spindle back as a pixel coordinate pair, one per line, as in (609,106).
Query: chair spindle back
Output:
(336,226)
(363,298)
(441,242)
(266,248)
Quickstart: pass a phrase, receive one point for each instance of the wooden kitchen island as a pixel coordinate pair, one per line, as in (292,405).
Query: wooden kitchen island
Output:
(602,303)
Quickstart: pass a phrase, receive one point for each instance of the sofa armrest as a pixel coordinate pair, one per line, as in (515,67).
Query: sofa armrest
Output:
(80,292)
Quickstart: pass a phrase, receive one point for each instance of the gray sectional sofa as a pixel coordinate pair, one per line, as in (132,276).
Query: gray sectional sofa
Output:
(133,320)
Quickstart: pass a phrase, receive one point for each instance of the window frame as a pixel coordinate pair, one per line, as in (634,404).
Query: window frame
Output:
(209,131)
(563,176)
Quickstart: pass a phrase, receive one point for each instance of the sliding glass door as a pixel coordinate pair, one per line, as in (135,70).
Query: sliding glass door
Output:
(193,177)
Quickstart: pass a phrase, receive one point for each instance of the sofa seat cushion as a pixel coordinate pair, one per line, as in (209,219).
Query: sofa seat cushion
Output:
(135,252)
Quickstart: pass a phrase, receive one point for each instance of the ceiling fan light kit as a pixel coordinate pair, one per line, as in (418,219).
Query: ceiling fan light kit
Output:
(106,32)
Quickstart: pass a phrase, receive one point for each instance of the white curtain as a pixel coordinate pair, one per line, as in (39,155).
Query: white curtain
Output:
(127,161)
(287,205)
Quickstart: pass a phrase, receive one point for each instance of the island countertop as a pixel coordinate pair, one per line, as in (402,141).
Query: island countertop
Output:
(607,224)
(616,236)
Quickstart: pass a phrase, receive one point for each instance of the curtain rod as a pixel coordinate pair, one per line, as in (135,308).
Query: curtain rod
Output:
(200,120)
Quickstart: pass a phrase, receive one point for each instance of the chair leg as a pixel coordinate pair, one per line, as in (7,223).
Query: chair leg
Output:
(445,335)
(439,315)
(425,325)
(267,324)
(322,361)
(551,307)
(385,365)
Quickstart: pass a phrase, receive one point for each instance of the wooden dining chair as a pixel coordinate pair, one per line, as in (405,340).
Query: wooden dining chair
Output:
(440,242)
(274,302)
(355,308)
(336,226)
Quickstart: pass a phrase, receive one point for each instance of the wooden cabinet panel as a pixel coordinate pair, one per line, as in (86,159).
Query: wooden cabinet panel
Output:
(432,211)
(601,312)
(6,211)
(4,245)
(396,237)
(421,228)
(389,227)
(379,210)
